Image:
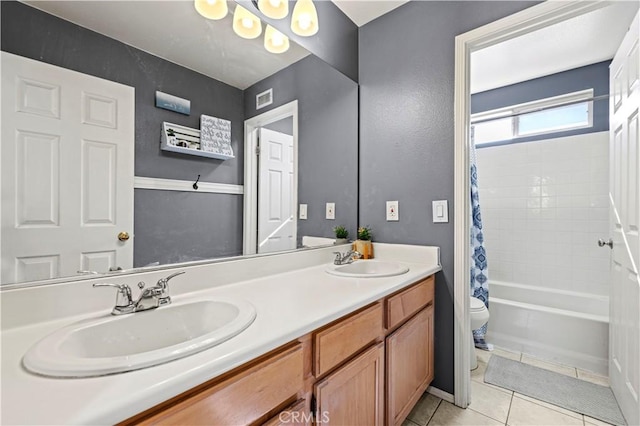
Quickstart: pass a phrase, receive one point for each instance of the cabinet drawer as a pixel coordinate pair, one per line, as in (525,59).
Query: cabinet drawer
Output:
(402,305)
(243,398)
(339,341)
(296,414)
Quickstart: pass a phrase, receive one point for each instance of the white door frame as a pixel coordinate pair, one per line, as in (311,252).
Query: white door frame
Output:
(526,21)
(250,225)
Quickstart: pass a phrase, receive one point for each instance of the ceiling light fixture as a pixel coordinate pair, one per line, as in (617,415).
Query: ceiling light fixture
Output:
(275,41)
(246,24)
(212,9)
(304,20)
(274,9)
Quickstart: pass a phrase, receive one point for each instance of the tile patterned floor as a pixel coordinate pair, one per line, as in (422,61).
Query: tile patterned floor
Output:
(492,405)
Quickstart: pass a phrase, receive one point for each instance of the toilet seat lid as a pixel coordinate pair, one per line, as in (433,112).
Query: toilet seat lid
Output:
(476,304)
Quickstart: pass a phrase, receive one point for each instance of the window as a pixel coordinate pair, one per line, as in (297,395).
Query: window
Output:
(557,114)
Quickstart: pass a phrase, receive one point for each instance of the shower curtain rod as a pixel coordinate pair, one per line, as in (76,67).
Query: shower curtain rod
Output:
(542,108)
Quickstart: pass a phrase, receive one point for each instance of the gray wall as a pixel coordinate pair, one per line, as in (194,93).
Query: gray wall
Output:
(336,41)
(594,76)
(194,226)
(283,126)
(327,139)
(407,134)
(37,35)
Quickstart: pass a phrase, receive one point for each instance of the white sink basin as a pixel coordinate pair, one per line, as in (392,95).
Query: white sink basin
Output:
(368,269)
(115,344)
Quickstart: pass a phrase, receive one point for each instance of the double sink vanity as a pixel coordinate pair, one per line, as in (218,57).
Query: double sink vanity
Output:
(283,339)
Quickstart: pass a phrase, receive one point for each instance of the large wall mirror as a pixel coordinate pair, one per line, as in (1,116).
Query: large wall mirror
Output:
(81,196)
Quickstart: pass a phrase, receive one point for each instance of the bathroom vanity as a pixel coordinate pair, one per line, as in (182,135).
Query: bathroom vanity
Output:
(344,373)
(345,350)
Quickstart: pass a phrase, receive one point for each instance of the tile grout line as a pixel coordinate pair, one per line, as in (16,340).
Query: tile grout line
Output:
(506,422)
(434,412)
(486,415)
(513,395)
(551,406)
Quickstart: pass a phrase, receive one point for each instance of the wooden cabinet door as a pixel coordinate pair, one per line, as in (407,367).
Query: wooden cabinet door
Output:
(354,394)
(409,365)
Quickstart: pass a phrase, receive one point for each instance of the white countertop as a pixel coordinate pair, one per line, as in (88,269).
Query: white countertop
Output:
(288,304)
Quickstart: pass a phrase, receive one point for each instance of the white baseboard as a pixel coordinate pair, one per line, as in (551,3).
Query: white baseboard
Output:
(141,182)
(446,396)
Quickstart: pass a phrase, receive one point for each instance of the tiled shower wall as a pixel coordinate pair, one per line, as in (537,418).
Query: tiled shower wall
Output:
(544,206)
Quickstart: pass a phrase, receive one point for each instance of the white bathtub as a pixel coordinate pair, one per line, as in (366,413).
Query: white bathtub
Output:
(562,326)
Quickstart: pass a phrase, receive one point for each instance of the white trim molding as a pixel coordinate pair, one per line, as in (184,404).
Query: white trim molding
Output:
(529,20)
(141,182)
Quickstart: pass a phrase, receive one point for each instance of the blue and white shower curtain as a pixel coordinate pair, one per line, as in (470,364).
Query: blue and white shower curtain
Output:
(479,270)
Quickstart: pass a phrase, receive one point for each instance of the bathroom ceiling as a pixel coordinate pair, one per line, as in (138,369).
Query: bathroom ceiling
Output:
(174,31)
(583,40)
(363,11)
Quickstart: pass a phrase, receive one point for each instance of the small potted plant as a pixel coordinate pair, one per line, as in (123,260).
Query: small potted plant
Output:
(363,244)
(341,234)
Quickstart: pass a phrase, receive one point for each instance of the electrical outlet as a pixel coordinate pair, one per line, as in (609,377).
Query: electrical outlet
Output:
(331,211)
(392,211)
(303,211)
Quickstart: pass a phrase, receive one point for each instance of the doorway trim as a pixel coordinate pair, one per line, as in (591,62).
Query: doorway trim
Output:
(524,22)
(250,221)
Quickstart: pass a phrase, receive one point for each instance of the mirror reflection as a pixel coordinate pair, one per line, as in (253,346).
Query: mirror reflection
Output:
(86,187)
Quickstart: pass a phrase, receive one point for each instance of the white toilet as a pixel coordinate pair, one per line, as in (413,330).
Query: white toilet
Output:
(479,317)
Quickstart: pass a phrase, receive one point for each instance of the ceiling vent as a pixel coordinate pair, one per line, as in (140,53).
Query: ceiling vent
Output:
(263,99)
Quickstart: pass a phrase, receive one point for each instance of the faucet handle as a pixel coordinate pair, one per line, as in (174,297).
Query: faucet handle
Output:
(121,287)
(123,298)
(163,282)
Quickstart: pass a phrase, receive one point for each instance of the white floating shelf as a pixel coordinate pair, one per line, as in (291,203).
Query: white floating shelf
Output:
(175,134)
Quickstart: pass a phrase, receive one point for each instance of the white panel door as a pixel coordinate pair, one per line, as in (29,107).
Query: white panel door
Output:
(277,225)
(67,171)
(624,346)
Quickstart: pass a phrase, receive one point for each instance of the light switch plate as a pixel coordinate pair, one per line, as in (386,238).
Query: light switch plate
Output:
(440,211)
(331,211)
(393,215)
(303,211)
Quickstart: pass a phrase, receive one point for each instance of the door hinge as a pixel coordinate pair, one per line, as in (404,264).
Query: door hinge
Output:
(258,150)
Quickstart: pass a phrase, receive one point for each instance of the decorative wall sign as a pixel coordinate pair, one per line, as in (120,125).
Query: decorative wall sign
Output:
(215,135)
(185,140)
(173,103)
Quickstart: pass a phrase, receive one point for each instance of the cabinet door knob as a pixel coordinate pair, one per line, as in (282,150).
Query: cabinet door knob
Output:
(123,236)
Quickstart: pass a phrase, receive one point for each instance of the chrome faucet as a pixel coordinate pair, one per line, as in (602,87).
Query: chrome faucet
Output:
(150,298)
(124,301)
(344,259)
(157,295)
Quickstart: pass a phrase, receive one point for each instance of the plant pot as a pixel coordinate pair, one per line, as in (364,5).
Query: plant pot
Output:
(364,247)
(341,241)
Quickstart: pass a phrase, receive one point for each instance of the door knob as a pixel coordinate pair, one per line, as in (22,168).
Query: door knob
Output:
(123,236)
(602,243)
